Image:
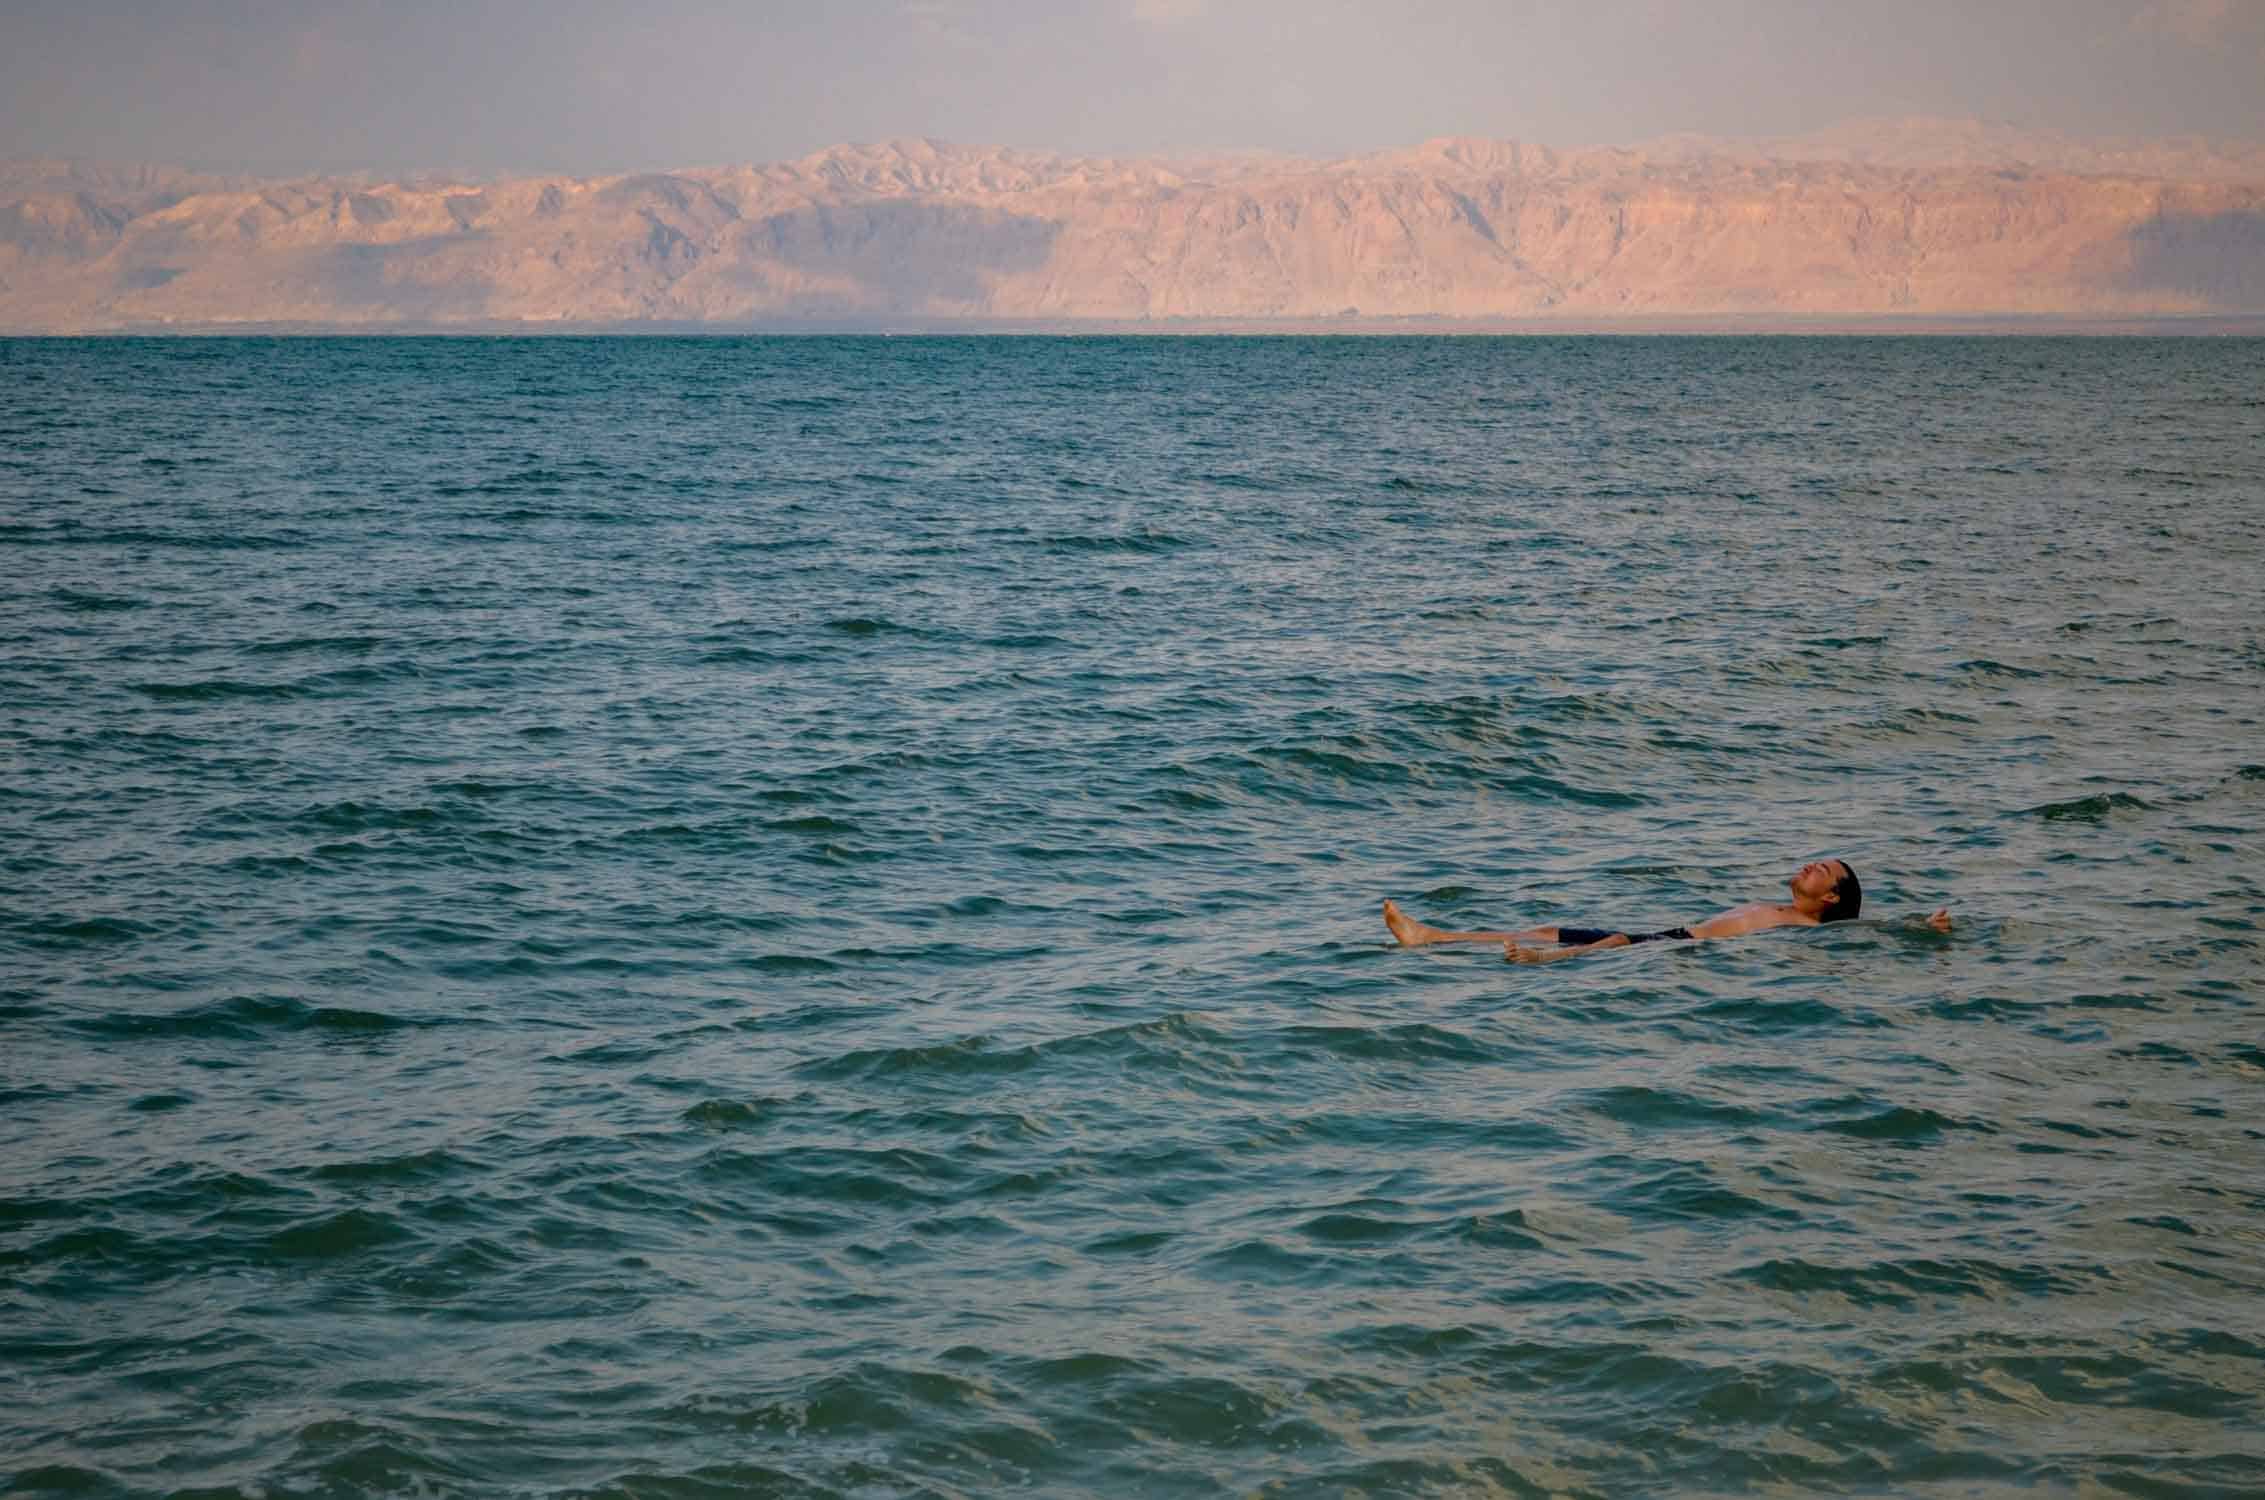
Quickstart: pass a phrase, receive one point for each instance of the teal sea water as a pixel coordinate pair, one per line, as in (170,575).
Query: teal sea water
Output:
(662,918)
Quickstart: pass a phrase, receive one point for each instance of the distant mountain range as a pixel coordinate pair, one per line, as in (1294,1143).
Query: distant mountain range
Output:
(1895,219)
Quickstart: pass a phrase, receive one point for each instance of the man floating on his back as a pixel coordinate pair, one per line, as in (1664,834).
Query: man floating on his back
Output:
(1824,890)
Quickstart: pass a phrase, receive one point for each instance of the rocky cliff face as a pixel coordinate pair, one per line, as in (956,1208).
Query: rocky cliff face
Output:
(914,229)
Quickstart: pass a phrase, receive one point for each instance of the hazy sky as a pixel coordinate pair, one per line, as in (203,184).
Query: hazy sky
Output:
(490,85)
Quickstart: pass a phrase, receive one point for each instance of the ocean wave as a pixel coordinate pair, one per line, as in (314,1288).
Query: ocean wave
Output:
(221,690)
(1413,1041)
(243,1018)
(2093,809)
(1904,1124)
(80,601)
(68,932)
(353,645)
(1145,542)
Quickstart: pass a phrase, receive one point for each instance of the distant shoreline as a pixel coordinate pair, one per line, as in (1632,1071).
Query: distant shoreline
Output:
(2213,325)
(1455,236)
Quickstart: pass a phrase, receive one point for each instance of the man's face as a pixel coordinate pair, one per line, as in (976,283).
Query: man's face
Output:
(1816,879)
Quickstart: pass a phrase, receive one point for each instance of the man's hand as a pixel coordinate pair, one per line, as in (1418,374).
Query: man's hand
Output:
(1512,953)
(1940,921)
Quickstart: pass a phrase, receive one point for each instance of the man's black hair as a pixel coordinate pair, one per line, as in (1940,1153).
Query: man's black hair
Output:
(1847,897)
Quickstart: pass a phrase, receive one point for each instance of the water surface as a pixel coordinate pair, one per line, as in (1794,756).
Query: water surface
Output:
(799,917)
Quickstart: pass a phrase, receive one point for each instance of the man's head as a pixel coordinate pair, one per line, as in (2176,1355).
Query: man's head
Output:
(1830,887)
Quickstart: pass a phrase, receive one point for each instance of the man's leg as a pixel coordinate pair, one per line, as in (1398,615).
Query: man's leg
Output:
(1414,934)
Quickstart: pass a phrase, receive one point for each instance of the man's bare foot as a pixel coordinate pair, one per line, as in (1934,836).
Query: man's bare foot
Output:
(1410,932)
(1940,921)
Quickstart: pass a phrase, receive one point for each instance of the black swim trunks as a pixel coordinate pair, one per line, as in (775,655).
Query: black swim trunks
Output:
(1581,937)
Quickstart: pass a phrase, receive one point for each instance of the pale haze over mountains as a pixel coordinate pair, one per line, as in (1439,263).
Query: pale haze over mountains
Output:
(1907,219)
(2121,181)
